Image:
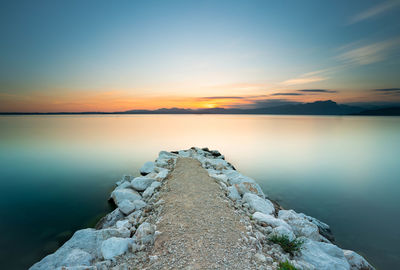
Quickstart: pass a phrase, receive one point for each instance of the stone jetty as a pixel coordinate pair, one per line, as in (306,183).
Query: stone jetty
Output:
(191,209)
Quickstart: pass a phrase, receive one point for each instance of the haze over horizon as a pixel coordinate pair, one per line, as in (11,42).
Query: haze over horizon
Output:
(106,56)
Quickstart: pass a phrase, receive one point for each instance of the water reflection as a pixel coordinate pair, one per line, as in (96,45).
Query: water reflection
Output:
(57,171)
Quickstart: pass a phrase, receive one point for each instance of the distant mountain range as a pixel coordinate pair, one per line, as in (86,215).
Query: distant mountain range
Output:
(327,107)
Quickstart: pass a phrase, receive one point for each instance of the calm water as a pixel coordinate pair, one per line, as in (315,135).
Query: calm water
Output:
(57,171)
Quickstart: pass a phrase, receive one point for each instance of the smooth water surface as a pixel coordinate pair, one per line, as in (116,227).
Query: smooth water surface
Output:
(57,172)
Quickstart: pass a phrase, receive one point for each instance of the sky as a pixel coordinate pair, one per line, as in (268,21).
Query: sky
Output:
(72,56)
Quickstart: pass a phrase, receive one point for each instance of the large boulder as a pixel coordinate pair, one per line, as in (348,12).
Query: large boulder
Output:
(162,173)
(139,204)
(233,194)
(164,158)
(323,228)
(300,225)
(323,256)
(247,187)
(87,240)
(217,164)
(184,153)
(124,184)
(110,219)
(243,183)
(115,246)
(356,261)
(77,267)
(269,220)
(118,195)
(142,182)
(150,190)
(77,257)
(147,168)
(258,204)
(283,231)
(145,233)
(126,207)
(219,177)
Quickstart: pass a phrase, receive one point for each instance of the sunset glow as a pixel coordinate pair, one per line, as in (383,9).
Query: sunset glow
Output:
(145,55)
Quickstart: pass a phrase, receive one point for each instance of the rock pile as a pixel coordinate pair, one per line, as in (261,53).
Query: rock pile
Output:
(124,238)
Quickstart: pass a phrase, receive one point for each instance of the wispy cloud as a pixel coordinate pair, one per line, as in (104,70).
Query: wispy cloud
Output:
(221,97)
(369,54)
(387,91)
(317,91)
(304,80)
(374,11)
(265,103)
(287,94)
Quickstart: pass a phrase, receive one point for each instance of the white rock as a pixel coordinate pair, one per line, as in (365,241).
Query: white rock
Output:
(244,184)
(150,190)
(247,187)
(356,261)
(119,195)
(123,224)
(134,217)
(147,168)
(77,257)
(315,221)
(258,204)
(110,219)
(260,257)
(145,233)
(162,173)
(126,207)
(88,240)
(283,230)
(142,182)
(214,172)
(125,178)
(269,220)
(164,157)
(155,184)
(124,184)
(233,194)
(139,204)
(184,153)
(324,229)
(323,256)
(217,164)
(300,225)
(77,267)
(220,178)
(114,246)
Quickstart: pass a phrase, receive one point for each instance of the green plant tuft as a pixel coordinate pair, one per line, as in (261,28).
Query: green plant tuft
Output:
(286,266)
(289,246)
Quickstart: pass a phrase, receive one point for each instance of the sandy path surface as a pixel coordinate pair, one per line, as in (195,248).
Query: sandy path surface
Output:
(199,229)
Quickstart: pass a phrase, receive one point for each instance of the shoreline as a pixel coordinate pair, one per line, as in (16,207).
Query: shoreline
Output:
(128,237)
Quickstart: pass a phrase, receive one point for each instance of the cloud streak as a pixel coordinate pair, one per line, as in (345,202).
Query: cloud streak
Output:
(374,11)
(287,94)
(221,97)
(317,91)
(303,80)
(387,91)
(369,54)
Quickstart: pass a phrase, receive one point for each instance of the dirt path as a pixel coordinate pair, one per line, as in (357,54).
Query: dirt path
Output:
(199,229)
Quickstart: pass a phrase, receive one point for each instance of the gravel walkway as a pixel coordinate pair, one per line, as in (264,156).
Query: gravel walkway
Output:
(199,230)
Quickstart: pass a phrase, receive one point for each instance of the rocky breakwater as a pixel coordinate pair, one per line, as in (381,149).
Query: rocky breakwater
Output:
(160,223)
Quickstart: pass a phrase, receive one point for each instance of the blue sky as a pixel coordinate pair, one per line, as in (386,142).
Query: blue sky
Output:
(116,55)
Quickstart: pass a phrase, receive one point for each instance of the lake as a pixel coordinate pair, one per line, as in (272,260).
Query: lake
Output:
(57,172)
